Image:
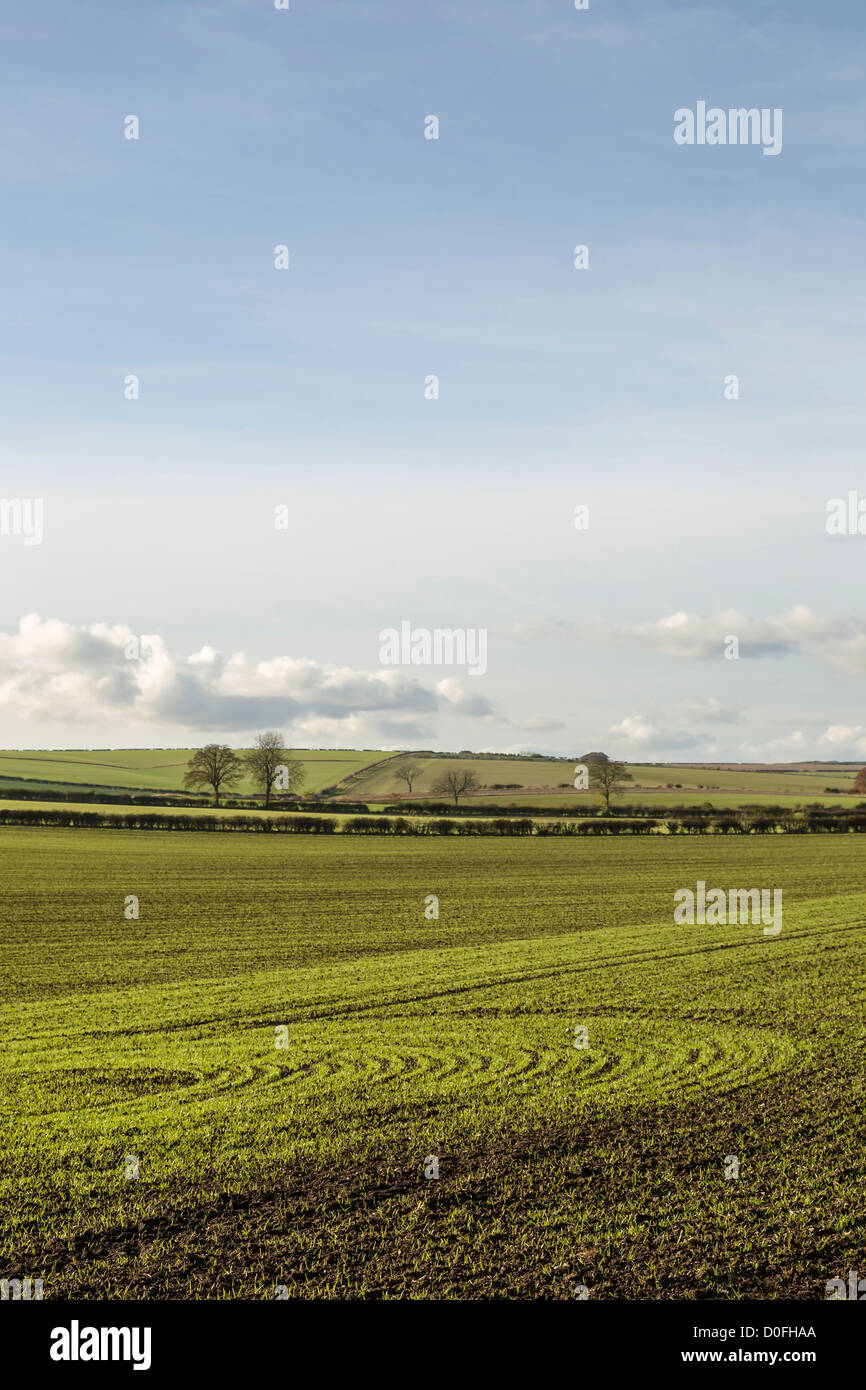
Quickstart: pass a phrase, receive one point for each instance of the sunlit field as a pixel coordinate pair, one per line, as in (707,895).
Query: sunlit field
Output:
(252,1084)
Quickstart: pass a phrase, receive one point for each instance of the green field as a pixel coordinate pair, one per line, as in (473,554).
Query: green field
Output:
(551,782)
(162,769)
(720,801)
(407,1038)
(371,776)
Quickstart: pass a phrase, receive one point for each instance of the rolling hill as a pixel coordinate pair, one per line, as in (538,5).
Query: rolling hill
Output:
(371,775)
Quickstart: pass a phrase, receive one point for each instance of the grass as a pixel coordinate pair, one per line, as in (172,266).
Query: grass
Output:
(303,1166)
(162,769)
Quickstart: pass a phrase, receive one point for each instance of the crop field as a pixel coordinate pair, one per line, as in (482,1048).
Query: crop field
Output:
(545,781)
(782,781)
(161,769)
(249,1086)
(720,801)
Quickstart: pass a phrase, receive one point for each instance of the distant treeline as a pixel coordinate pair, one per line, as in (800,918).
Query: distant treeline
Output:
(785,821)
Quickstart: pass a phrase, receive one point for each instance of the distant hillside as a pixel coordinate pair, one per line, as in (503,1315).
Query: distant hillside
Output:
(159,769)
(371,775)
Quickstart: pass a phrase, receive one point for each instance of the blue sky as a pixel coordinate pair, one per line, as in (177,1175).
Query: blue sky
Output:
(409,257)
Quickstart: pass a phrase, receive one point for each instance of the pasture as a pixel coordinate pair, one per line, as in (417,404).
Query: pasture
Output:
(240,1090)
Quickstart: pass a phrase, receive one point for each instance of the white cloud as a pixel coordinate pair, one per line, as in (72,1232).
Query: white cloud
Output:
(775,749)
(455,697)
(689,635)
(837,734)
(845,738)
(653,731)
(839,642)
(51,670)
(634,729)
(794,742)
(641,734)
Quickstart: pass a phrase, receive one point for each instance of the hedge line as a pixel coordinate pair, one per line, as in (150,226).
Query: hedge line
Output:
(168,802)
(788,823)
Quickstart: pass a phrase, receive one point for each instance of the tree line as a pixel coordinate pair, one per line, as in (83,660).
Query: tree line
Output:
(267,764)
(270,767)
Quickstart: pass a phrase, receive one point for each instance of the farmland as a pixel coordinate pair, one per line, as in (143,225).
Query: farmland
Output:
(550,782)
(372,776)
(408,1037)
(159,769)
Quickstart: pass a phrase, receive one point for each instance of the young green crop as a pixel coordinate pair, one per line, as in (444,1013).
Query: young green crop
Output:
(282,1036)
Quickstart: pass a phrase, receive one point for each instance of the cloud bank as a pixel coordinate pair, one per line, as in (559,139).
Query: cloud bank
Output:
(53,670)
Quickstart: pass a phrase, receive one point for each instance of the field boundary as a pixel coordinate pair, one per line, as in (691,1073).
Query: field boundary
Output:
(296,822)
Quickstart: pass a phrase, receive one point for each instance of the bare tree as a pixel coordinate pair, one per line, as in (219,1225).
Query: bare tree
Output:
(270,766)
(216,765)
(409,773)
(608,778)
(456,782)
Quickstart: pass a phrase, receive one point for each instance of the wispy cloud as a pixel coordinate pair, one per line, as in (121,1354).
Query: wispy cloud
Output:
(839,642)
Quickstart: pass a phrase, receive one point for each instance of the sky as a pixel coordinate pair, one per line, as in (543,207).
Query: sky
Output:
(236,477)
